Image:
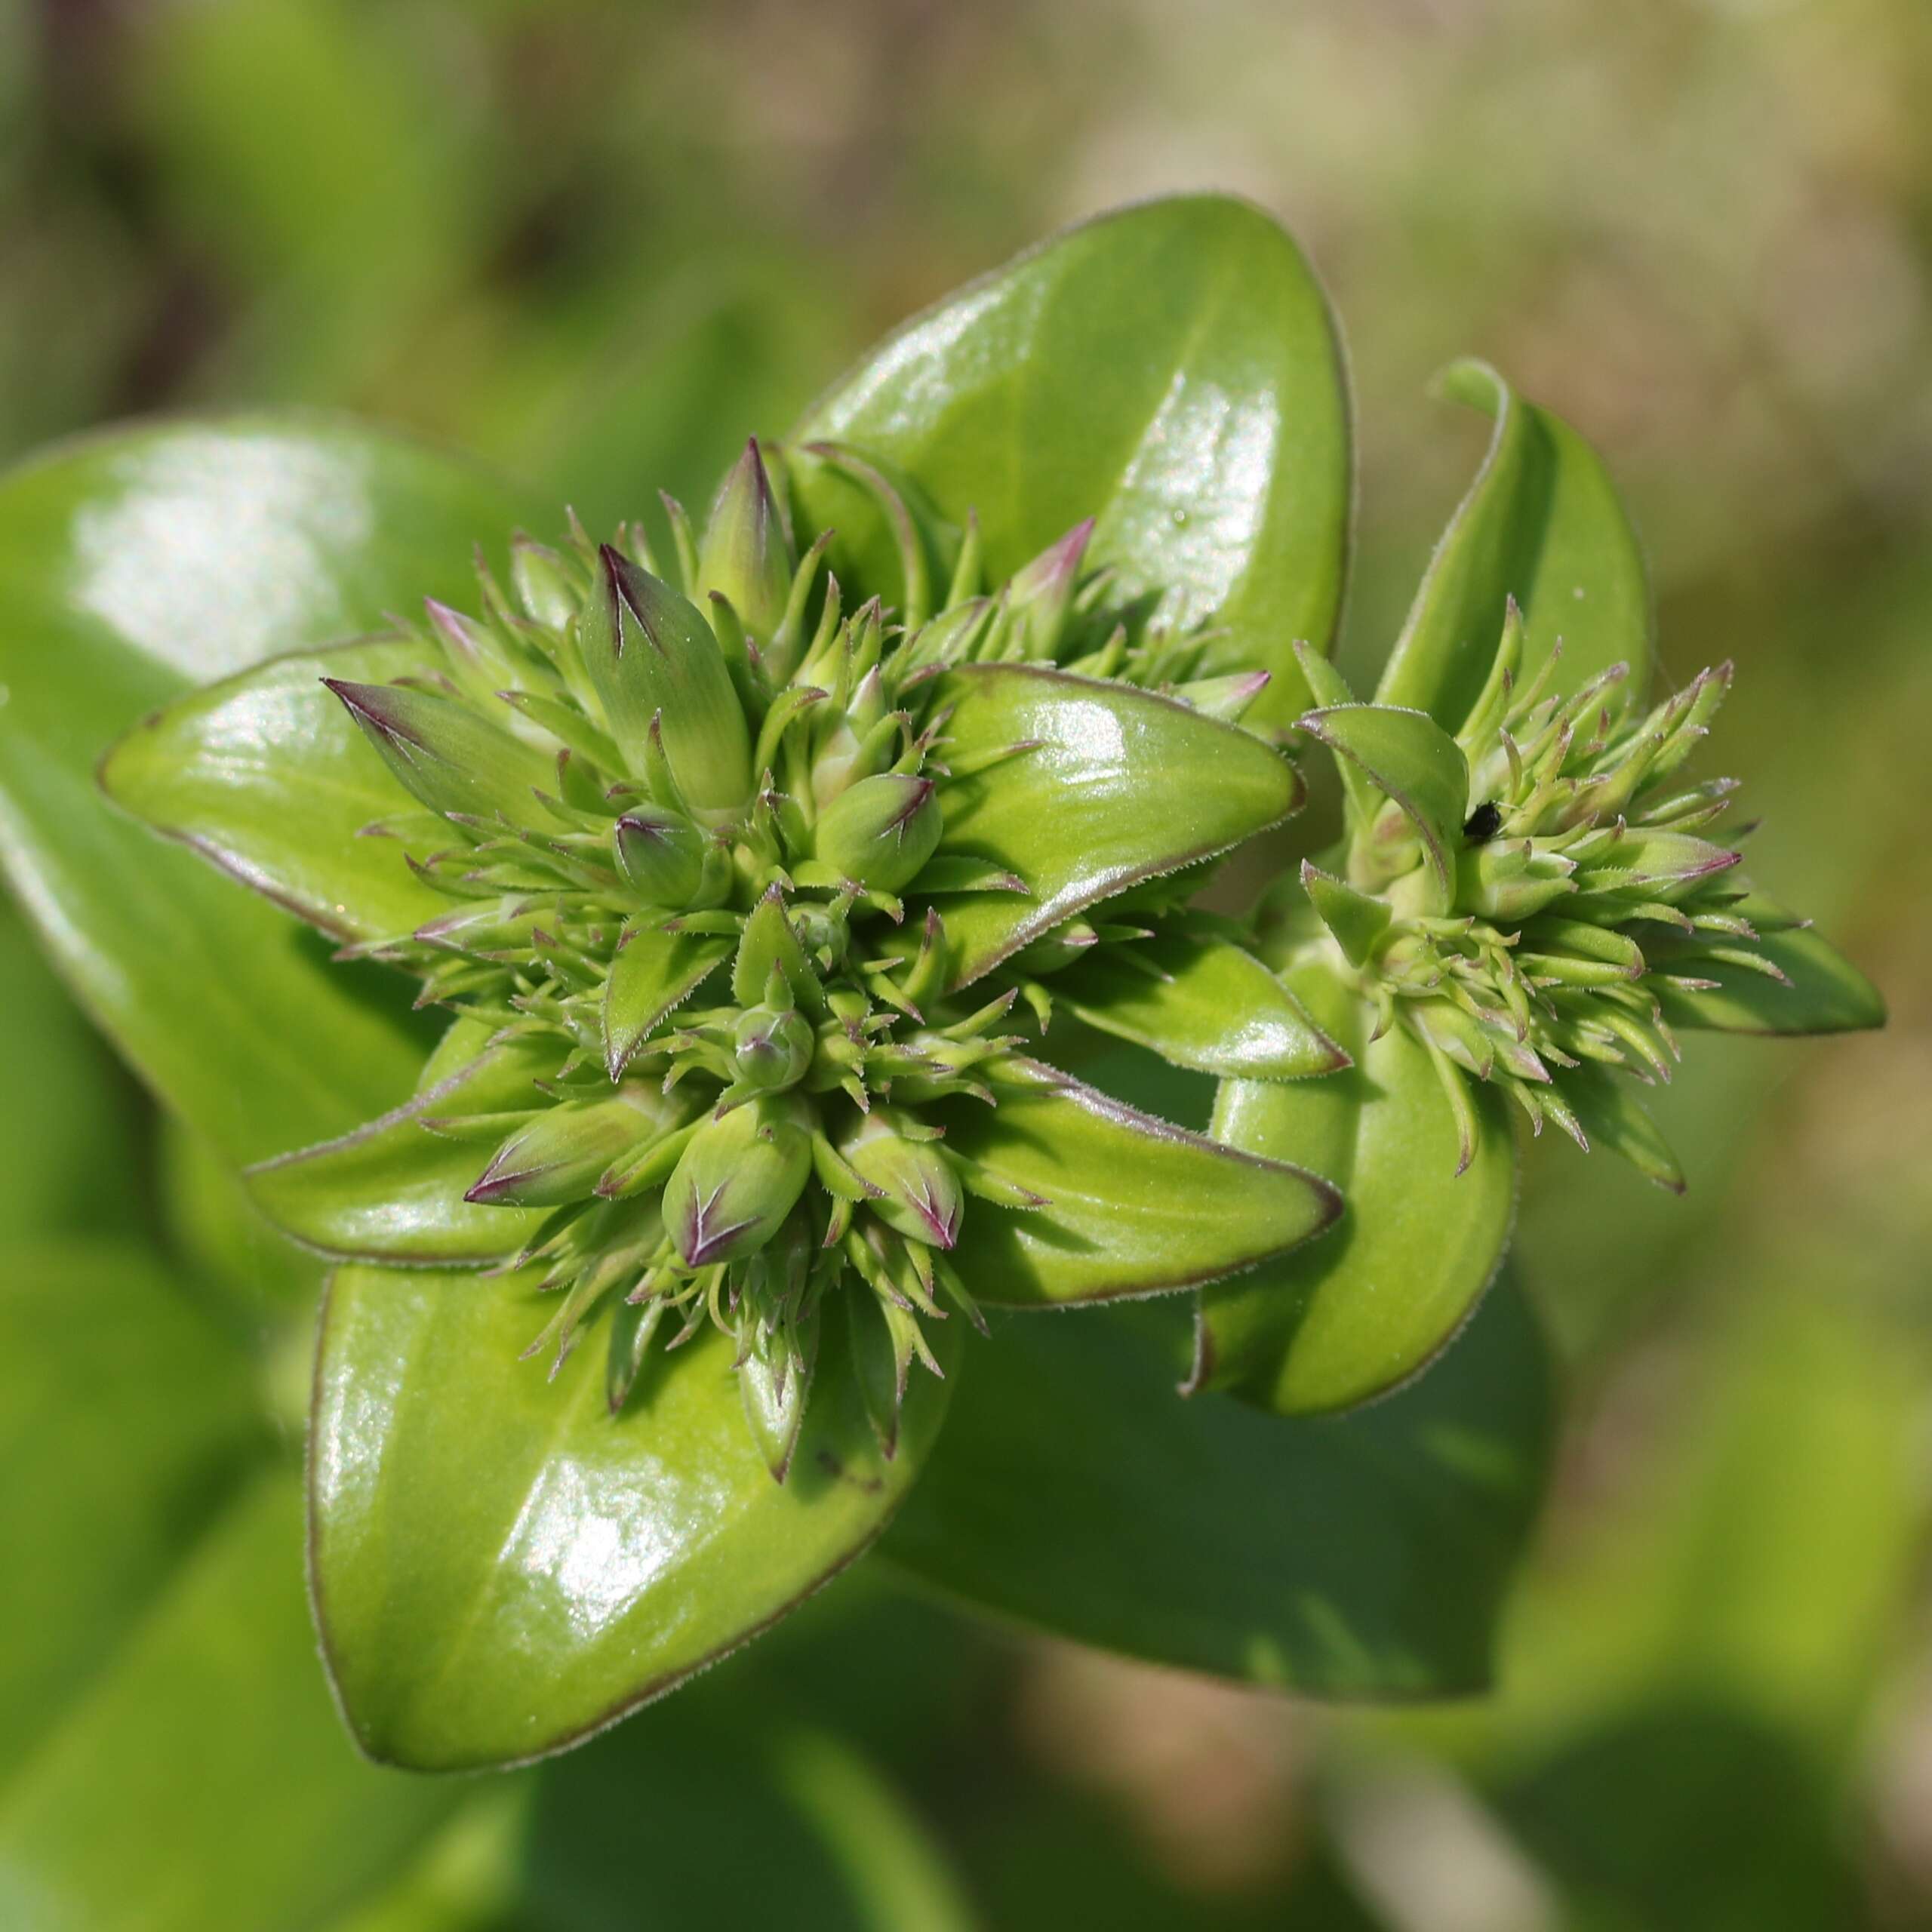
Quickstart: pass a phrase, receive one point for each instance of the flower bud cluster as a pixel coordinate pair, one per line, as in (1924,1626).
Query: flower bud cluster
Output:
(1582,901)
(677,808)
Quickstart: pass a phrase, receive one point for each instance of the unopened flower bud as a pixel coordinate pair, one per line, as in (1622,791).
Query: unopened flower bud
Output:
(745,554)
(737,1179)
(662,855)
(921,1195)
(773,1048)
(548,589)
(1040,596)
(451,758)
(558,1157)
(650,655)
(881,831)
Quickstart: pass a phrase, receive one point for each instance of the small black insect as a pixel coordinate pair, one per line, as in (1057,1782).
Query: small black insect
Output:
(1483,824)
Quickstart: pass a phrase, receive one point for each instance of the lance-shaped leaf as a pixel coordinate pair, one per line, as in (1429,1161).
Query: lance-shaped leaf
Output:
(1408,757)
(265,773)
(131,566)
(1130,1205)
(501,1566)
(1170,369)
(1361,1310)
(1820,991)
(203,1782)
(393,1189)
(1541,523)
(1109,786)
(656,969)
(1199,1002)
(1363,1556)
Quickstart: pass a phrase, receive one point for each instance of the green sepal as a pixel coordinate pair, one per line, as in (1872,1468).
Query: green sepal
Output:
(264,773)
(393,1189)
(1366,1556)
(656,967)
(1410,759)
(1105,374)
(768,944)
(1541,522)
(1356,919)
(501,1566)
(1129,1204)
(1361,1311)
(1115,786)
(1199,1002)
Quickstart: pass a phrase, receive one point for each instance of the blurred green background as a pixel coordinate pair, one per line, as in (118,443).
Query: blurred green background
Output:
(599,243)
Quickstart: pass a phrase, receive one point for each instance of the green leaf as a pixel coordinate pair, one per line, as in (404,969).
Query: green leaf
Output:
(1361,1556)
(657,970)
(69,1124)
(1170,370)
(203,1782)
(1822,992)
(125,1416)
(133,565)
(392,1190)
(1132,1205)
(1361,1311)
(1113,785)
(1541,523)
(502,1567)
(1411,759)
(1201,1003)
(265,774)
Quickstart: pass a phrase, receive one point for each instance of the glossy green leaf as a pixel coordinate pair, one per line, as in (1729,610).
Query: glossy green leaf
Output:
(132,566)
(265,774)
(1116,785)
(502,1567)
(1363,1308)
(1365,1555)
(203,1782)
(1199,1002)
(719,1808)
(1541,523)
(1170,369)
(392,1190)
(1132,1205)
(1822,992)
(125,1417)
(71,1124)
(1408,757)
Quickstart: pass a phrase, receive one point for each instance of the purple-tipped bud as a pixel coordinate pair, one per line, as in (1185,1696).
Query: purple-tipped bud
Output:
(737,1180)
(1040,596)
(650,655)
(881,831)
(746,554)
(452,760)
(773,1048)
(661,854)
(919,1193)
(558,1157)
